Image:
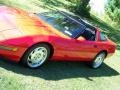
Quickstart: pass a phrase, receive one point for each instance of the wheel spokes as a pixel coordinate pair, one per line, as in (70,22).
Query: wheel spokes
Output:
(37,57)
(98,60)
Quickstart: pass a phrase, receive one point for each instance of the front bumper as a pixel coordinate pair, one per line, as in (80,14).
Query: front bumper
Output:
(13,53)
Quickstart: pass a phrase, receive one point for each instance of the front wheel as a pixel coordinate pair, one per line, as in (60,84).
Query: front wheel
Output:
(36,56)
(98,61)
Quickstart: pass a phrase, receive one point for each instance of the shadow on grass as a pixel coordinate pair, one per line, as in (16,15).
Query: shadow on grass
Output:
(61,70)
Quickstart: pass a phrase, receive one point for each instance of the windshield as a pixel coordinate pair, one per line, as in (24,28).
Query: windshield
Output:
(63,23)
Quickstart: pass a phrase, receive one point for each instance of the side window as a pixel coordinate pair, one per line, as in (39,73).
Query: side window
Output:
(103,37)
(62,23)
(89,35)
(69,27)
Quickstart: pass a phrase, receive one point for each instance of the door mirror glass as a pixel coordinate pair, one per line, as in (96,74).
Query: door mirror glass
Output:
(103,37)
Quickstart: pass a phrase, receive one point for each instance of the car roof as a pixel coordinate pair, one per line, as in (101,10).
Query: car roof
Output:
(77,19)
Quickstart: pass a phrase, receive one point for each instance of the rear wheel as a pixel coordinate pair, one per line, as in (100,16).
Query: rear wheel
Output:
(36,56)
(98,61)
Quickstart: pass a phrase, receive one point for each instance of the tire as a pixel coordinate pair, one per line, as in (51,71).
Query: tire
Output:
(98,60)
(36,56)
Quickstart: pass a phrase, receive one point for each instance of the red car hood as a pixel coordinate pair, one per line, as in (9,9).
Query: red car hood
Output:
(18,23)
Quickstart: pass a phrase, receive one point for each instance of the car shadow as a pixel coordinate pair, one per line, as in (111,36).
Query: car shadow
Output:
(60,70)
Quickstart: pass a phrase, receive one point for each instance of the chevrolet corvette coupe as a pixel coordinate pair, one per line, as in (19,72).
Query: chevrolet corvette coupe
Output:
(32,39)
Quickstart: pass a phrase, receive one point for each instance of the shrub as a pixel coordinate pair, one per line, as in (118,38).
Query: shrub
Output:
(80,7)
(113,10)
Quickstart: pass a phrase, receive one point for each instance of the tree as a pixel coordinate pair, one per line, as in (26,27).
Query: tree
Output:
(113,10)
(81,7)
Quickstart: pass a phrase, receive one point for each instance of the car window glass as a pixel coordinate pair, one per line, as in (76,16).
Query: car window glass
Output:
(62,23)
(102,37)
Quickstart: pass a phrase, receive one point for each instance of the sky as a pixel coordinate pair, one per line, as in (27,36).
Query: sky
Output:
(98,6)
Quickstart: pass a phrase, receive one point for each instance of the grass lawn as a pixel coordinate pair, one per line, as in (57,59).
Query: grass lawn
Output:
(61,75)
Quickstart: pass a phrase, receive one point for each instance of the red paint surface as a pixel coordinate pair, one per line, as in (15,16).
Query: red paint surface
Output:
(20,30)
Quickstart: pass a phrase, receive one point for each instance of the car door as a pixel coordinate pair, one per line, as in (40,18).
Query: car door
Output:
(69,48)
(74,49)
(82,50)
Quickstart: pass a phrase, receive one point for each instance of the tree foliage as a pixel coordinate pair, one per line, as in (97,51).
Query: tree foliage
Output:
(81,7)
(113,10)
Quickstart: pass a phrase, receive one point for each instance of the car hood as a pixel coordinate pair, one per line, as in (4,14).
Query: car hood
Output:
(34,25)
(18,23)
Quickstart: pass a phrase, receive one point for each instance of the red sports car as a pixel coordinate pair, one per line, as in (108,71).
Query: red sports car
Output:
(32,39)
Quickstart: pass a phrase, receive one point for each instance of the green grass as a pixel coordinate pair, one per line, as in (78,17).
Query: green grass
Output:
(61,75)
